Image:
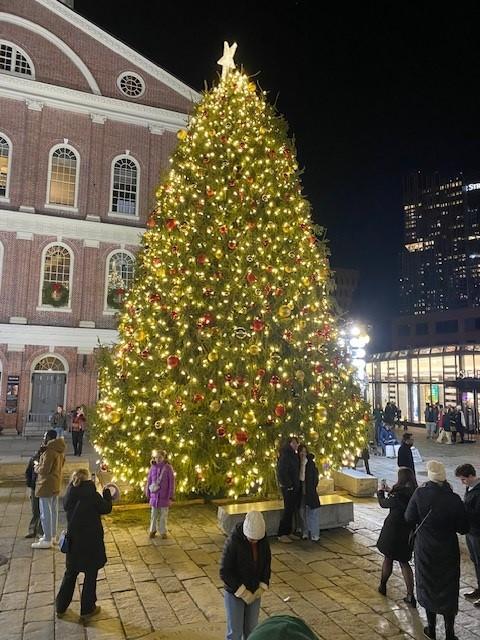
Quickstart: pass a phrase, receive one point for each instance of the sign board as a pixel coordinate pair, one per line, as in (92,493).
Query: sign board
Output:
(12,394)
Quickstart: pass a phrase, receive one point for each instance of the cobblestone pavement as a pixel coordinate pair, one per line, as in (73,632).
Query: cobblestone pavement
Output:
(165,589)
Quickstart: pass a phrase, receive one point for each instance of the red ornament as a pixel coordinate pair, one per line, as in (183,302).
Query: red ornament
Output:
(145,353)
(232,245)
(151,222)
(156,262)
(251,277)
(171,223)
(258,325)
(154,297)
(211,385)
(241,437)
(201,258)
(221,432)
(173,361)
(198,397)
(251,224)
(279,291)
(210,192)
(261,373)
(207,320)
(228,377)
(279,410)
(223,229)
(240,380)
(274,380)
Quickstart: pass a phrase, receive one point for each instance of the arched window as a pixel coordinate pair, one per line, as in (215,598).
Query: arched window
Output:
(14,60)
(5,157)
(120,274)
(57,263)
(62,186)
(124,186)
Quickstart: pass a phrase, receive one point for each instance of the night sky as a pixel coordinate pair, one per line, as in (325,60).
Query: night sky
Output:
(371,90)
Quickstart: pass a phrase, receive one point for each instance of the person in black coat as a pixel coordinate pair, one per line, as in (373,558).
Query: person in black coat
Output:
(438,514)
(35,526)
(310,502)
(86,554)
(245,569)
(288,475)
(468,477)
(393,539)
(405,456)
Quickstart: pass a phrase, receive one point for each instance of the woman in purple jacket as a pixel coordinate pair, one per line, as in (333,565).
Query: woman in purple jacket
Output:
(159,491)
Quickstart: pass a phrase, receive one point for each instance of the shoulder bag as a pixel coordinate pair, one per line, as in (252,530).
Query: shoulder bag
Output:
(64,541)
(155,486)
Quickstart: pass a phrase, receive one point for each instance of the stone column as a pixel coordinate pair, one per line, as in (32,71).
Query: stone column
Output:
(29,177)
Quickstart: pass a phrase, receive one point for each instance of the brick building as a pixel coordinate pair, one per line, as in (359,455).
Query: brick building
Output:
(86,126)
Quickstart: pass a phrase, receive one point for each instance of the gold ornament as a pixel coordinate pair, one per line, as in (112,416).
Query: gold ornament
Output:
(250,418)
(321,414)
(157,424)
(140,335)
(181,134)
(288,268)
(218,254)
(286,227)
(284,311)
(254,349)
(114,417)
(212,356)
(314,435)
(251,87)
(300,375)
(215,406)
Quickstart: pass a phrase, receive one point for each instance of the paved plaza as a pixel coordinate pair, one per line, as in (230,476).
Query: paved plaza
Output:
(162,589)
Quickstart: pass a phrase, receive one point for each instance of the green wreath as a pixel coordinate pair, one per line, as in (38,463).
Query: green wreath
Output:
(55,294)
(112,296)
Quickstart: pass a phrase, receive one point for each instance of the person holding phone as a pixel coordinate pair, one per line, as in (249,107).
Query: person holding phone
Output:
(393,539)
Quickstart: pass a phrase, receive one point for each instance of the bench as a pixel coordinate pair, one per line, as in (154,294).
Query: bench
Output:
(356,483)
(335,511)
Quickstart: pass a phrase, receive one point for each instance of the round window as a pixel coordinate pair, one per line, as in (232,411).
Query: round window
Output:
(131,84)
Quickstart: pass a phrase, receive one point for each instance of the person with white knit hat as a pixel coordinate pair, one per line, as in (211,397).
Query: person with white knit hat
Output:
(245,569)
(438,514)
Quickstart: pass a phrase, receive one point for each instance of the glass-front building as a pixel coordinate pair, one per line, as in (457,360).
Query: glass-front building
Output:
(446,374)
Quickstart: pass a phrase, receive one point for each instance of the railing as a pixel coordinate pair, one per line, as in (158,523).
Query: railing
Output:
(36,424)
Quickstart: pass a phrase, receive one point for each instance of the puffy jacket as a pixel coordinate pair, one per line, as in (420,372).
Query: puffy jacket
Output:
(50,469)
(311,481)
(284,627)
(288,468)
(472,506)
(237,566)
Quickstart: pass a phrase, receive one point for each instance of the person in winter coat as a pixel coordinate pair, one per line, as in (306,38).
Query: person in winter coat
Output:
(430,420)
(79,425)
(86,555)
(49,472)
(35,526)
(459,425)
(310,502)
(405,456)
(468,477)
(439,515)
(288,474)
(160,489)
(245,569)
(283,627)
(386,436)
(393,539)
(59,421)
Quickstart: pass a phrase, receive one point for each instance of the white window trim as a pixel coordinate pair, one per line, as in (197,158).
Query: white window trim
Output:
(50,307)
(66,371)
(116,214)
(25,55)
(6,197)
(2,253)
(108,311)
(135,75)
(61,207)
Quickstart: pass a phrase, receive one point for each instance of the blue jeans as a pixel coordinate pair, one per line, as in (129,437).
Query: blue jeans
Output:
(49,516)
(241,618)
(313,521)
(473,545)
(60,432)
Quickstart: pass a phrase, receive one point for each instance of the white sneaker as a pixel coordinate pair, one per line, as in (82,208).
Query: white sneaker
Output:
(42,544)
(305,536)
(284,539)
(315,538)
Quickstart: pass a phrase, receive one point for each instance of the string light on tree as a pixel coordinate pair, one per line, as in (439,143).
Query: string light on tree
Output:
(228,338)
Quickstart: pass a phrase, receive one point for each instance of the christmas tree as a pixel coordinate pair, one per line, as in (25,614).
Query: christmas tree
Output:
(228,338)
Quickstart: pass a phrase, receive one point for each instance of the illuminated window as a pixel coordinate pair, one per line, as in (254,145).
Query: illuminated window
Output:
(63,177)
(57,263)
(124,186)
(5,157)
(120,274)
(14,60)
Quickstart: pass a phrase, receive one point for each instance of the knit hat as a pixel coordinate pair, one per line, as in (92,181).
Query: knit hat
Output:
(436,471)
(254,525)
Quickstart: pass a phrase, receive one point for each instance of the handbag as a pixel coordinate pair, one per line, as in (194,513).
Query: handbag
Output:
(413,533)
(65,541)
(155,486)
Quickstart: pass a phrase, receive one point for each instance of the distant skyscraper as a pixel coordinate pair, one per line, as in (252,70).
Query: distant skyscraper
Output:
(440,265)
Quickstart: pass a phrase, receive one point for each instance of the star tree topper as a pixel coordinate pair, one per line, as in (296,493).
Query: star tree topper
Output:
(226,61)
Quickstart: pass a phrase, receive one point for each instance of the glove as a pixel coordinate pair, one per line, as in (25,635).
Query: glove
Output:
(246,595)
